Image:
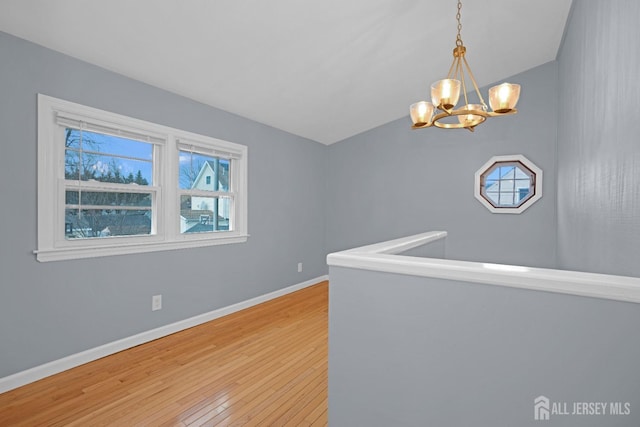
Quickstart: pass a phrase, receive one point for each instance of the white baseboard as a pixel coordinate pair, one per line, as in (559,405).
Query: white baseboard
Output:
(38,372)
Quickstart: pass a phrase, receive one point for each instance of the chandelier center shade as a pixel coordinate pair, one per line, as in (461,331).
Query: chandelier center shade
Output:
(442,112)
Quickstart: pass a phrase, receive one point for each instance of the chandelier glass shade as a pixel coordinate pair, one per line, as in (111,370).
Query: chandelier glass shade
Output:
(445,94)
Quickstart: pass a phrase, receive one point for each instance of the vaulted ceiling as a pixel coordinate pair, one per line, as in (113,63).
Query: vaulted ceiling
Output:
(324,70)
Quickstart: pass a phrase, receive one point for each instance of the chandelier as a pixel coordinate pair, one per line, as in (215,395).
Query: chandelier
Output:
(442,112)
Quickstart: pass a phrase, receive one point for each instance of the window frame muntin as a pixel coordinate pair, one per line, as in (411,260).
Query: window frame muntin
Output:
(512,158)
(51,242)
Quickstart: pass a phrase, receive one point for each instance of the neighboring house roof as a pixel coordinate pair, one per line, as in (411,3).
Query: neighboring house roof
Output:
(200,228)
(117,224)
(194,215)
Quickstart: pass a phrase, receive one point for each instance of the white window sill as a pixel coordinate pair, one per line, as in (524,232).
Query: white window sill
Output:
(63,254)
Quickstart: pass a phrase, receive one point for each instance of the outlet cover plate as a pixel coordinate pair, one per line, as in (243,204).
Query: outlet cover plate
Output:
(156,302)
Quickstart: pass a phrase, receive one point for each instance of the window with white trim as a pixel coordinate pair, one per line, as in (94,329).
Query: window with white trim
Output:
(508,184)
(110,184)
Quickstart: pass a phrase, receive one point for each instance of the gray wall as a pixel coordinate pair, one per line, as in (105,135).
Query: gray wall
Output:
(393,181)
(51,310)
(432,352)
(599,139)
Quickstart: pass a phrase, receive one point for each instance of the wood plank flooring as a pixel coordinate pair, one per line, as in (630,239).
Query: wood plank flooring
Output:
(263,366)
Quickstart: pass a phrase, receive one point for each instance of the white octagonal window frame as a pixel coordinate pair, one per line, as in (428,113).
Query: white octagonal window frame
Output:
(533,171)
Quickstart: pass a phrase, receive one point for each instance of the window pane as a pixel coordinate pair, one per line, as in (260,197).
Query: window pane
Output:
(491,185)
(507,185)
(523,193)
(72,165)
(494,174)
(201,172)
(107,158)
(494,197)
(86,166)
(506,199)
(506,172)
(102,223)
(520,174)
(108,144)
(105,198)
(204,214)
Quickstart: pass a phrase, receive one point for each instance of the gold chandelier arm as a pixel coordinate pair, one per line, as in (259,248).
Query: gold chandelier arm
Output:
(453,64)
(462,79)
(475,85)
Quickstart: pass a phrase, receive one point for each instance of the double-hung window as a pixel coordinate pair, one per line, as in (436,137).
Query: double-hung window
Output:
(205,189)
(110,184)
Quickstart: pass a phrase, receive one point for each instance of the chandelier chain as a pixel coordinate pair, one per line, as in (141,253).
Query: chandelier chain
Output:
(459,38)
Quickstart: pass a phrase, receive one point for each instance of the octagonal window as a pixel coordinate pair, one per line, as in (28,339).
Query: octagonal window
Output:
(508,184)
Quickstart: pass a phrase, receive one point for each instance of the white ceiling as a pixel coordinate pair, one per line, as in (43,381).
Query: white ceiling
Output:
(324,70)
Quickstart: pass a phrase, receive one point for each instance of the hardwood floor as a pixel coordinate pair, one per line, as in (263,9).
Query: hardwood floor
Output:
(263,366)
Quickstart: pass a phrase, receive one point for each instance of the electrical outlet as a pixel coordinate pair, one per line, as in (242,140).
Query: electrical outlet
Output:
(299,267)
(156,302)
